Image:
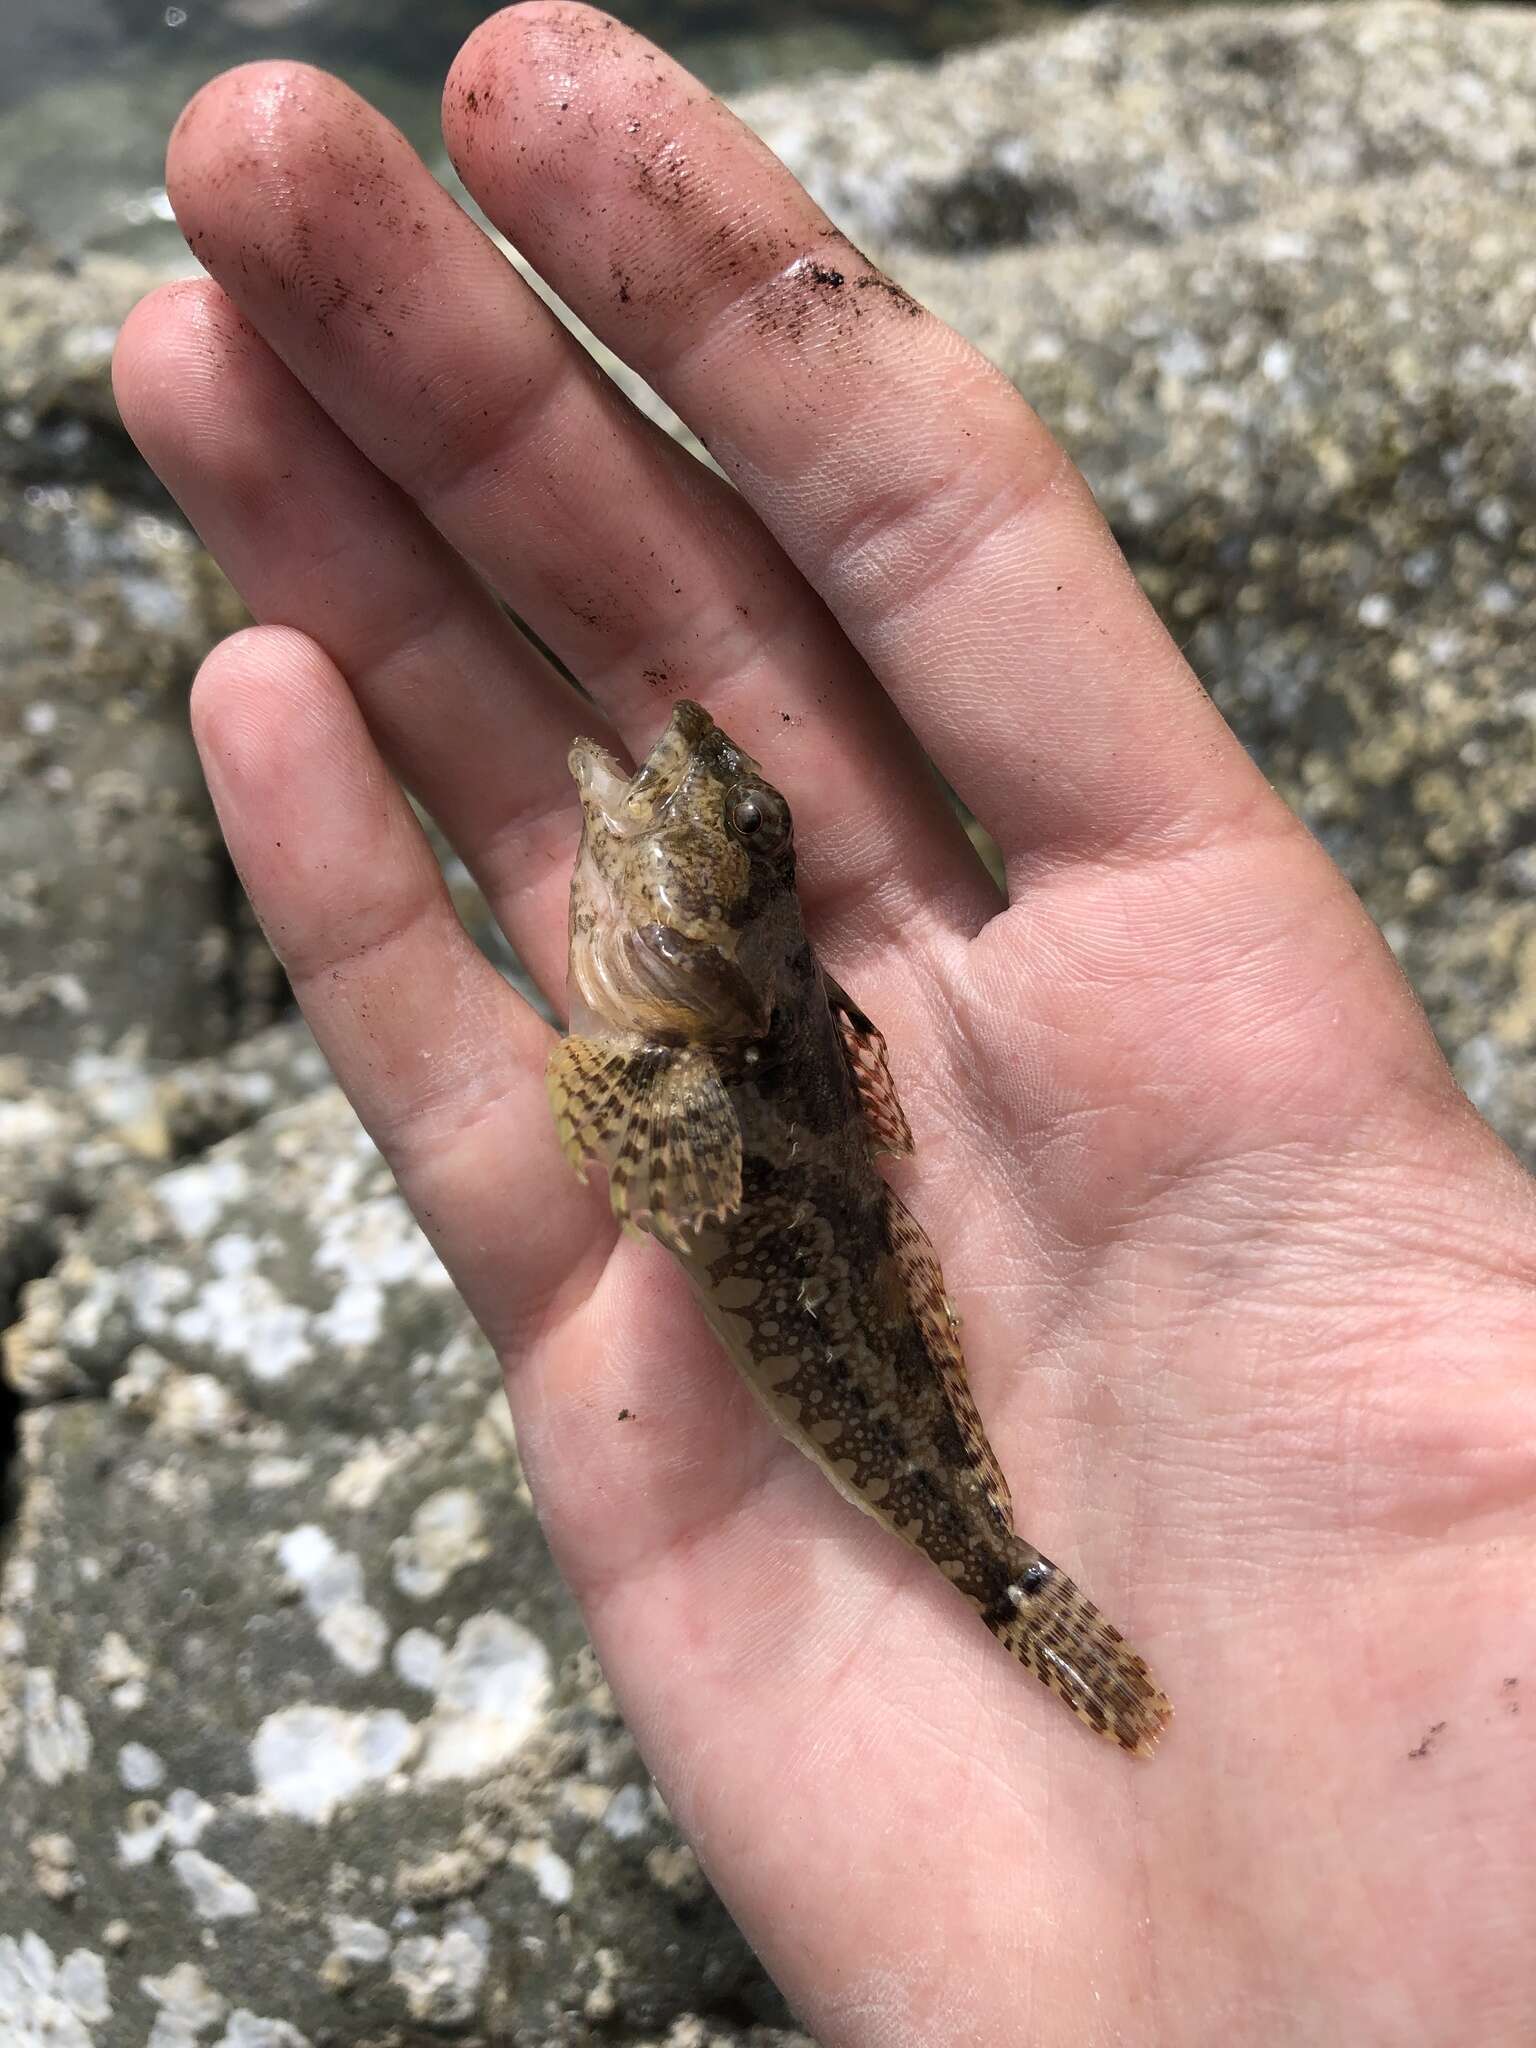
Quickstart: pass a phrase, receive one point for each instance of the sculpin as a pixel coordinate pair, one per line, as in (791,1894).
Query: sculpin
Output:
(738,1099)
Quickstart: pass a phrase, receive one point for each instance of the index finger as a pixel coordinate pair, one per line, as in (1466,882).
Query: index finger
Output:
(961,551)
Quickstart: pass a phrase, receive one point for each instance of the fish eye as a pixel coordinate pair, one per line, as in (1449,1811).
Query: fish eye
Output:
(756,815)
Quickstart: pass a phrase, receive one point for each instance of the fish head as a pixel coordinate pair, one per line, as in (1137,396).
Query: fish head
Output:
(683,906)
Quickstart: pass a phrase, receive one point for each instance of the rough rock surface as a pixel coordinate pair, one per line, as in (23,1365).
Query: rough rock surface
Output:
(118,914)
(295,1717)
(1127,127)
(58,321)
(70,1136)
(1279,308)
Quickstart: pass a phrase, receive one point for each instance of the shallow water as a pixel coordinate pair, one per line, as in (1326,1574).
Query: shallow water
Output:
(89,88)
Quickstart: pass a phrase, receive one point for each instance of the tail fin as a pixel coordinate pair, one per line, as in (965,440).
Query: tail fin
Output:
(1056,1631)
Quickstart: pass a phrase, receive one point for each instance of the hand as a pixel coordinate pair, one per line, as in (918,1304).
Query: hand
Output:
(1246,1284)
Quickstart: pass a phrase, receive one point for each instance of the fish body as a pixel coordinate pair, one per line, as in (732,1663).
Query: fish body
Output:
(739,1100)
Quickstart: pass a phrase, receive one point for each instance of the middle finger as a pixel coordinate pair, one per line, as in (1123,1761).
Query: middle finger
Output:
(646,573)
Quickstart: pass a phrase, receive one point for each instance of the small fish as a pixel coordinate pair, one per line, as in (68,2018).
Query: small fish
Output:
(738,1100)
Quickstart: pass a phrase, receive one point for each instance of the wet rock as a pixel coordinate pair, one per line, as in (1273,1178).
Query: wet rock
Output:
(1300,373)
(296,1720)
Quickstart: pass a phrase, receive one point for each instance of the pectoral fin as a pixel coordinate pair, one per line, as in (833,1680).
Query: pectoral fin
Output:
(870,1067)
(660,1122)
(918,1265)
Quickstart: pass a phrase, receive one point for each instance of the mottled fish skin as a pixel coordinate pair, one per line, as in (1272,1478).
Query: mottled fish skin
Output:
(738,1100)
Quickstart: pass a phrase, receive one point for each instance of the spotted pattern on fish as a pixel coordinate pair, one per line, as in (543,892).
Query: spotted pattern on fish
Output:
(738,1099)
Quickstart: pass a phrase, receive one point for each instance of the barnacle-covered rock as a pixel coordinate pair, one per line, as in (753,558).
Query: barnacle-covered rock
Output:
(296,1719)
(120,926)
(1122,126)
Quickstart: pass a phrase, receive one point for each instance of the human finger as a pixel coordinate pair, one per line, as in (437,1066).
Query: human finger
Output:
(645,573)
(959,549)
(442,1061)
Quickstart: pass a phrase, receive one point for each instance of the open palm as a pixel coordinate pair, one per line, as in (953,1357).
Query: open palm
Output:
(1245,1283)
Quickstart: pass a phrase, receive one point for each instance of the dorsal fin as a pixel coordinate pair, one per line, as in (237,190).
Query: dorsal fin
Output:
(918,1265)
(871,1070)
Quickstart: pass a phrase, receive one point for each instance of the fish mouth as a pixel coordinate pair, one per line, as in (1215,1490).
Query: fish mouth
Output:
(629,803)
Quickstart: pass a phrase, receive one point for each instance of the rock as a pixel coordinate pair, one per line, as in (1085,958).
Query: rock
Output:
(296,1720)
(18,238)
(117,910)
(120,924)
(58,323)
(1299,369)
(1154,127)
(67,1139)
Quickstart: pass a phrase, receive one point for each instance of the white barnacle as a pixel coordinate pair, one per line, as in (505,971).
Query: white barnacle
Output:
(626,1816)
(249,2030)
(46,2000)
(57,1736)
(216,1893)
(491,1690)
(446,1533)
(358,1941)
(309,1760)
(441,1975)
(331,1583)
(550,1872)
(188,2004)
